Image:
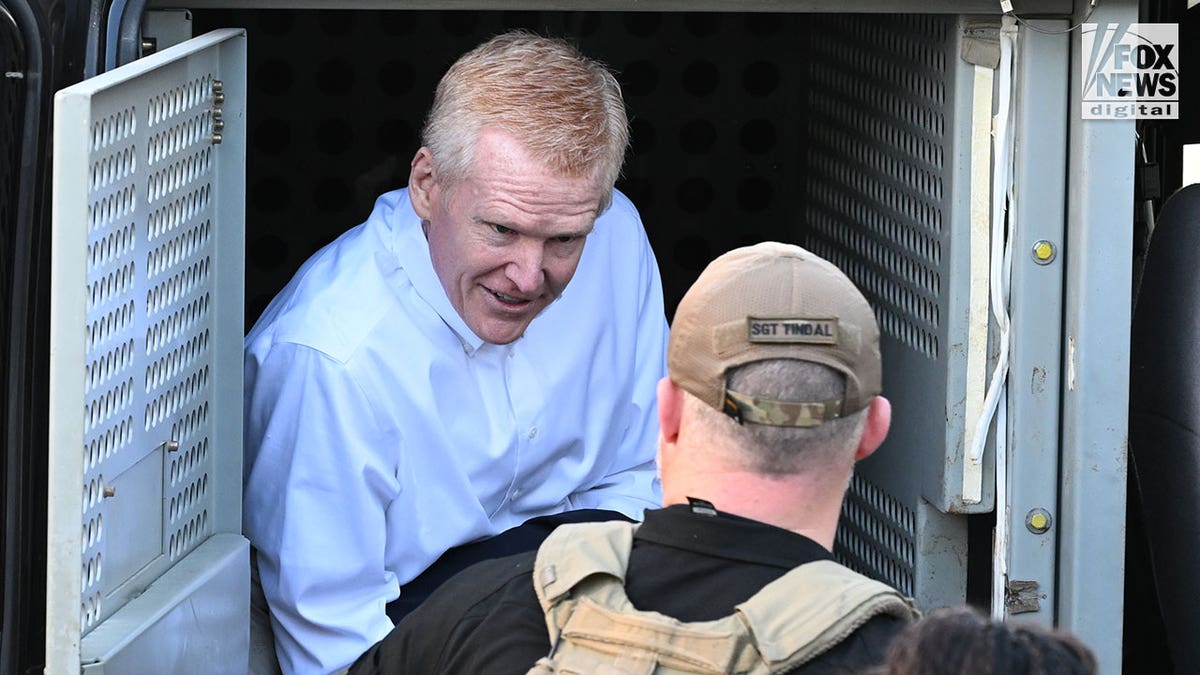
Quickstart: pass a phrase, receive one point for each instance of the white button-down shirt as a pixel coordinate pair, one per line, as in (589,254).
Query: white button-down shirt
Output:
(380,431)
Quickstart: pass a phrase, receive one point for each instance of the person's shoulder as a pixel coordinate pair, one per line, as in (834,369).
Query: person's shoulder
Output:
(618,241)
(336,298)
(880,630)
(623,206)
(478,593)
(858,652)
(485,619)
(621,218)
(485,579)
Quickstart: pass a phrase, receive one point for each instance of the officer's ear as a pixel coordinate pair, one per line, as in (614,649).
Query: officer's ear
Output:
(421,183)
(670,409)
(875,429)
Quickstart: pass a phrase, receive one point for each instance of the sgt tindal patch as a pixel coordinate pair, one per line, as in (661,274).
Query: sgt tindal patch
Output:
(799,331)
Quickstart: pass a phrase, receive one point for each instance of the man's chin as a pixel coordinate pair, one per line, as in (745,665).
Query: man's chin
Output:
(501,332)
(501,326)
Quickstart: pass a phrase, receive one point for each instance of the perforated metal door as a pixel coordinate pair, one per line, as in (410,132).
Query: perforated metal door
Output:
(888,186)
(147,570)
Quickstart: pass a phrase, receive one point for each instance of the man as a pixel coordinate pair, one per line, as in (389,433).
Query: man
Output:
(461,362)
(772,397)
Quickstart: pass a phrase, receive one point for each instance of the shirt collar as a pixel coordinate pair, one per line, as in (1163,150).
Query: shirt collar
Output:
(411,250)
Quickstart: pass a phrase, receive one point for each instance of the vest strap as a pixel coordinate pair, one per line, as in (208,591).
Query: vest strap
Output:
(579,578)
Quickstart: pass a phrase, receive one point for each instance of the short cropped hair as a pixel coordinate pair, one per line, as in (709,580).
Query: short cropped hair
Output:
(781,451)
(963,641)
(565,108)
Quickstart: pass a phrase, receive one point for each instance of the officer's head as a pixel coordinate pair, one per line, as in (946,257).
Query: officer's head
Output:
(774,357)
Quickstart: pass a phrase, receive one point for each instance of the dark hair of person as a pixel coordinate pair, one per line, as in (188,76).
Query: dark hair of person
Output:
(963,641)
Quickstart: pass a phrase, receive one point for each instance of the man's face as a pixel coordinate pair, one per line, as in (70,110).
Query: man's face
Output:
(506,239)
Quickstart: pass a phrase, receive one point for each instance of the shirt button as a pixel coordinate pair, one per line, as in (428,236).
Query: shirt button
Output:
(532,433)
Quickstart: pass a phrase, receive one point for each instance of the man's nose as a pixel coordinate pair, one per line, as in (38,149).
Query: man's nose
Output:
(526,270)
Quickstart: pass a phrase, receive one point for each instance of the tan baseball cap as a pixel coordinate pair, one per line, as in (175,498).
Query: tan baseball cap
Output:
(774,301)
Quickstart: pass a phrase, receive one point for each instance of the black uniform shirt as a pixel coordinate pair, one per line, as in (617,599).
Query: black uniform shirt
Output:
(684,564)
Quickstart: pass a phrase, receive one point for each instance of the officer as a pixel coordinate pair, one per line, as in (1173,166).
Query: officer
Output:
(772,396)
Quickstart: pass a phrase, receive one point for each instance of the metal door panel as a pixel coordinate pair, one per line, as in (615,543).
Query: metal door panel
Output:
(145,373)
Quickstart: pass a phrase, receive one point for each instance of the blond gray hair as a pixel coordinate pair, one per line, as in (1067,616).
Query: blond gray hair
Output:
(565,109)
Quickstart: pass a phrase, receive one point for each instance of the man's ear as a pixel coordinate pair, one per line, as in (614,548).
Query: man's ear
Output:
(670,409)
(421,183)
(875,429)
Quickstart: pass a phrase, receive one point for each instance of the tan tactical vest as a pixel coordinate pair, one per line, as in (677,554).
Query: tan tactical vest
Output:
(579,577)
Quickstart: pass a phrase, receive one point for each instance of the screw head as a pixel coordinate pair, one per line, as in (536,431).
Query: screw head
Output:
(1044,252)
(1038,521)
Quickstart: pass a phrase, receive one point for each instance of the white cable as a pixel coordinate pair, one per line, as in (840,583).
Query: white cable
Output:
(1000,538)
(996,401)
(1003,508)
(1001,177)
(1006,8)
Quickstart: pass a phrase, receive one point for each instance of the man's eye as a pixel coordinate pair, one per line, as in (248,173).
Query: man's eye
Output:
(500,229)
(565,239)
